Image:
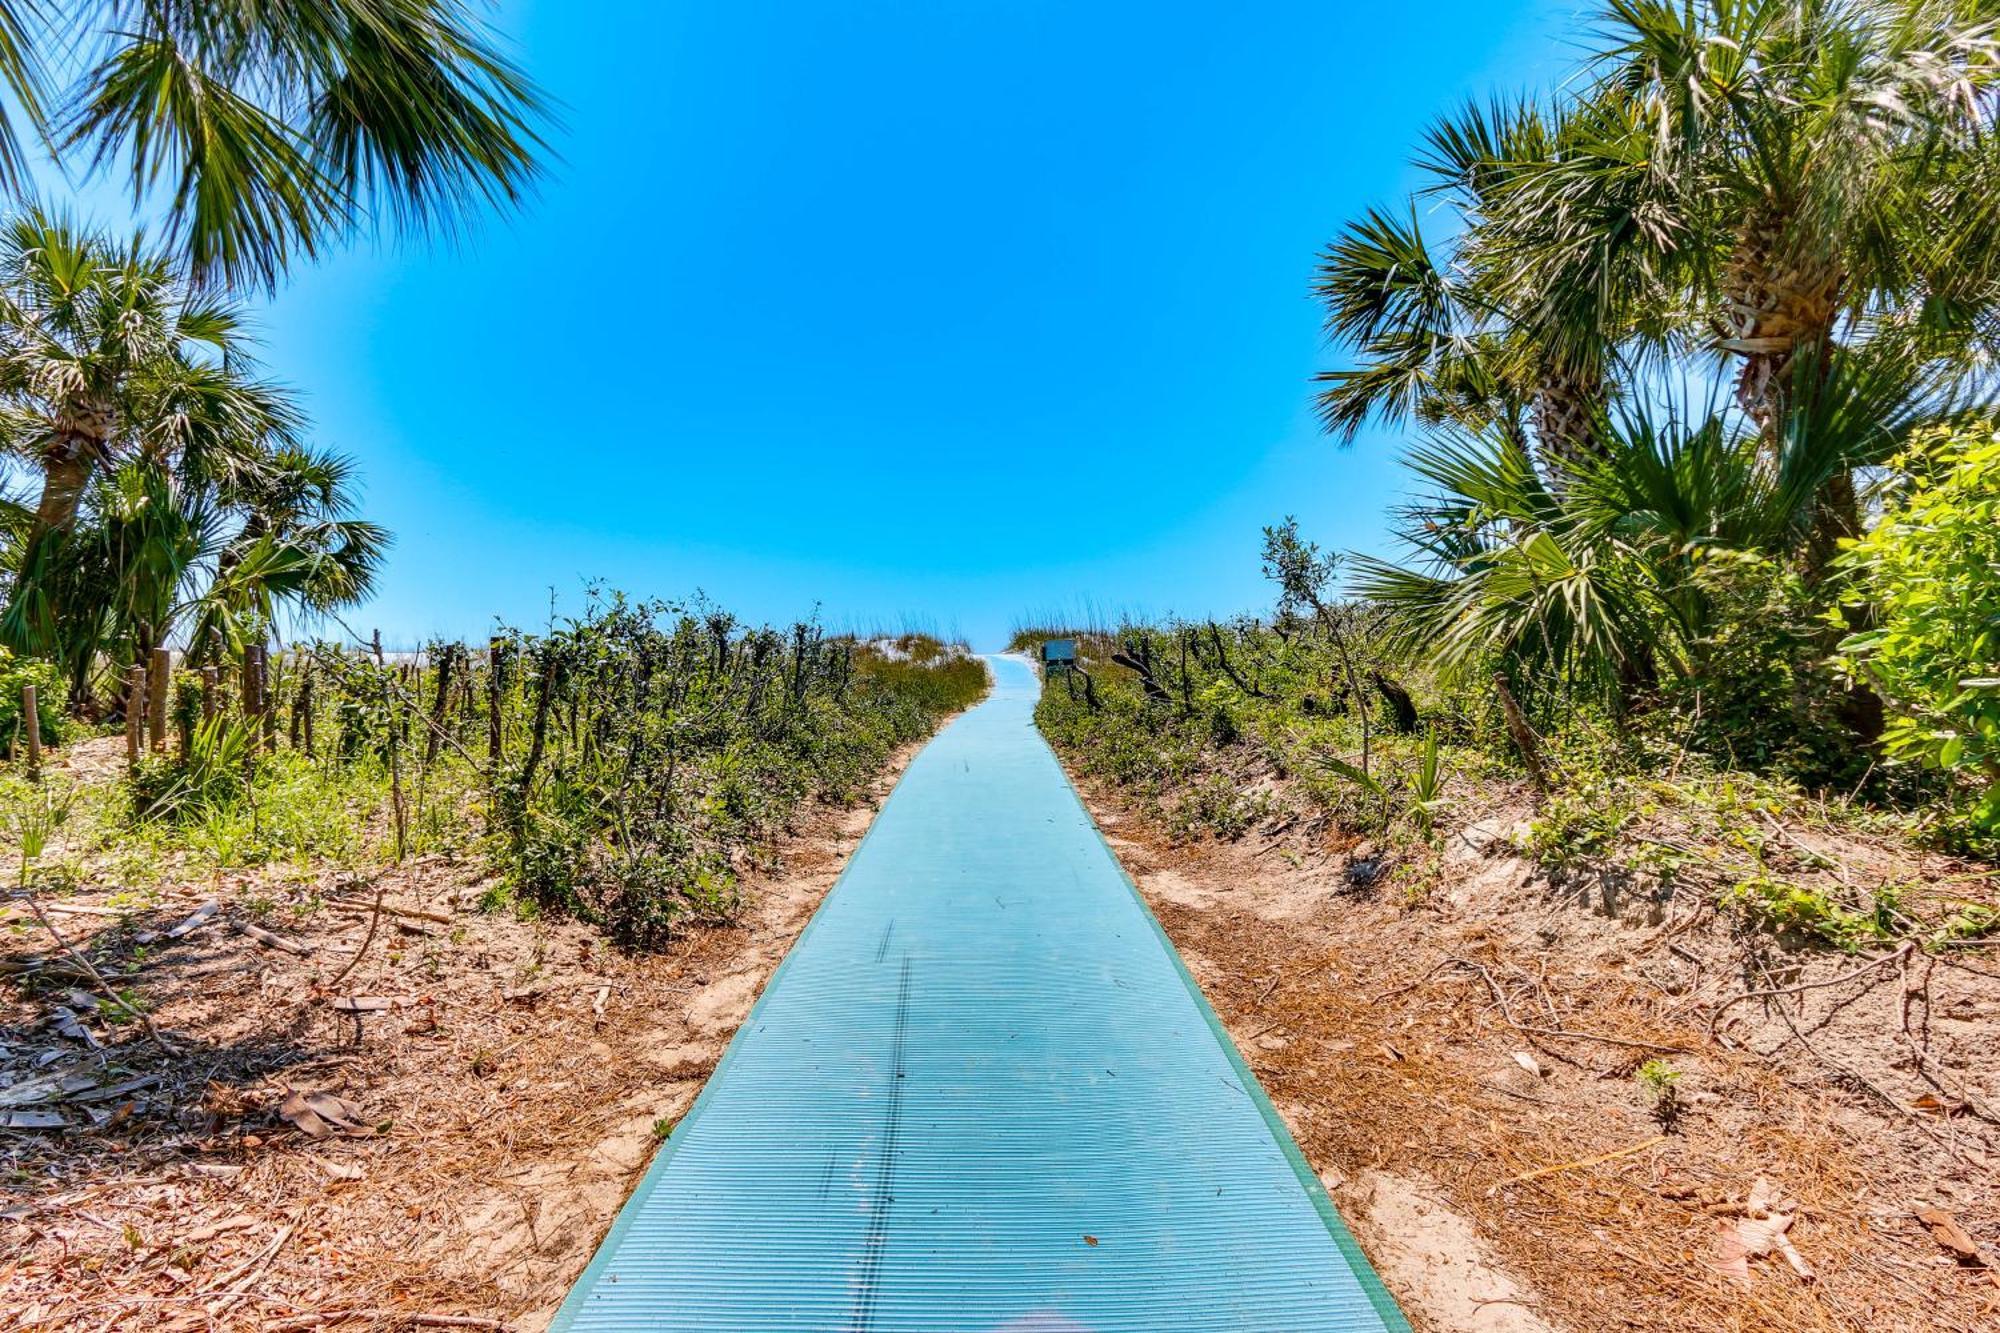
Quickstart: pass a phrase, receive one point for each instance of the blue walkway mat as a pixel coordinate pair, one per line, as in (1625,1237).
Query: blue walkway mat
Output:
(981,1095)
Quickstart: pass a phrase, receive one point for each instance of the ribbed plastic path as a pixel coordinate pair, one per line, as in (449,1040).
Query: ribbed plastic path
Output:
(981,1094)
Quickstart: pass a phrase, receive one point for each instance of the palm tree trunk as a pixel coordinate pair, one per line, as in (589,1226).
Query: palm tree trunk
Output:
(1564,415)
(1836,515)
(66,473)
(30,623)
(1781,301)
(1782,305)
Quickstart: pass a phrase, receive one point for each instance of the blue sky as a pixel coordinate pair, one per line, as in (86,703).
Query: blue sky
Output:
(931,309)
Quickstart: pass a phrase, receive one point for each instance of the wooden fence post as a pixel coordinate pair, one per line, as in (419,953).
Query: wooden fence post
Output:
(496,667)
(135,712)
(396,736)
(211,686)
(434,734)
(302,712)
(253,682)
(156,711)
(268,690)
(31,717)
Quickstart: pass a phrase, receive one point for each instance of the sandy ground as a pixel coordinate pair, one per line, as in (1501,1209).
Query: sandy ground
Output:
(470,1142)
(1460,1069)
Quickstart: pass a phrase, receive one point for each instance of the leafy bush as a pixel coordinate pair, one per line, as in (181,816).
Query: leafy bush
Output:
(1236,701)
(50,691)
(654,752)
(1763,696)
(1925,576)
(210,775)
(1781,905)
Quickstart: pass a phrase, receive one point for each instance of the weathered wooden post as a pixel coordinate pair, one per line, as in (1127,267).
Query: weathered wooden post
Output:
(269,688)
(156,708)
(31,718)
(135,712)
(302,713)
(253,682)
(396,736)
(211,687)
(441,701)
(496,667)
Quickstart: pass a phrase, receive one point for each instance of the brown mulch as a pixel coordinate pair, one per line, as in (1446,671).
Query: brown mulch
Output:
(1469,1035)
(437,1138)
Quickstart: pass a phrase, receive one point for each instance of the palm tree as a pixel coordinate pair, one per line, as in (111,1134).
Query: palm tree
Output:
(102,351)
(1432,332)
(1774,181)
(136,404)
(267,130)
(104,359)
(1763,181)
(1594,582)
(165,553)
(300,547)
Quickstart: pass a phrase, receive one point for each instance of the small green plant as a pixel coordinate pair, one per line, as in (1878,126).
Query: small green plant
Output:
(1575,826)
(1662,1084)
(1781,905)
(1427,788)
(123,1006)
(663,1128)
(1971,921)
(36,817)
(210,776)
(1364,781)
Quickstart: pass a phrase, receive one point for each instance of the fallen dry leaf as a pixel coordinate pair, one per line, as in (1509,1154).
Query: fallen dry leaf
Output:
(366,1004)
(1932,1104)
(321,1115)
(199,918)
(1944,1228)
(338,1170)
(1762,1229)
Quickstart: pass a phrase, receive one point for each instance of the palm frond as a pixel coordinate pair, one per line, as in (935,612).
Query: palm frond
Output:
(275,129)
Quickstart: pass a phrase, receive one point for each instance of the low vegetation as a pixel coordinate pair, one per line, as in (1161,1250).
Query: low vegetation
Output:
(663,748)
(624,767)
(468,924)
(1324,716)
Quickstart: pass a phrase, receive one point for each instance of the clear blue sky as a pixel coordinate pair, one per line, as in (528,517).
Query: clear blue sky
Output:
(930,308)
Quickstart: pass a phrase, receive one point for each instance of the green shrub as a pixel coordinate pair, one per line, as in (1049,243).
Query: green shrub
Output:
(654,753)
(209,776)
(1576,826)
(50,691)
(1762,695)
(1780,905)
(1926,577)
